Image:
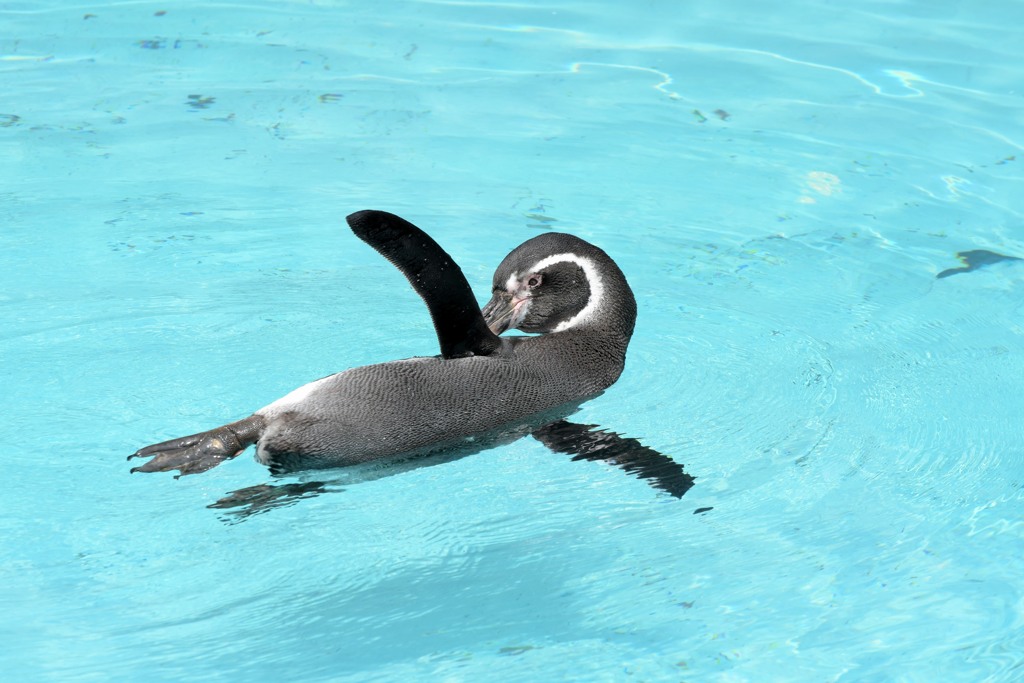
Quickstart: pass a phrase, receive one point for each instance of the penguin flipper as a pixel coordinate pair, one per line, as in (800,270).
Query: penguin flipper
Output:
(461,330)
(253,500)
(200,452)
(587,442)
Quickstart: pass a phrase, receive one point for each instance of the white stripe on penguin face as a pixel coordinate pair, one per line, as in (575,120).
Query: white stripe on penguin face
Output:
(593,280)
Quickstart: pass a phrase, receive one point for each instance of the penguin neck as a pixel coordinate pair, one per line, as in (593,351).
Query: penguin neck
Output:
(614,313)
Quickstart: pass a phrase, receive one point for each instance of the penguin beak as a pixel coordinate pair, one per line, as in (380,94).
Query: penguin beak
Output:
(498,312)
(505,311)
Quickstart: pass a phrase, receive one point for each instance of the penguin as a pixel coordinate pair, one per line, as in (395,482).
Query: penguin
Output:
(480,390)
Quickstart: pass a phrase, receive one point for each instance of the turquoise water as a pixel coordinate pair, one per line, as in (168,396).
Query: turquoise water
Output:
(787,190)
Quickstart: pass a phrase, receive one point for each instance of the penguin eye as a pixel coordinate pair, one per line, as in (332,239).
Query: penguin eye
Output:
(534,280)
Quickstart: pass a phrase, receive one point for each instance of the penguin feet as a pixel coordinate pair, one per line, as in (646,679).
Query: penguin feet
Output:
(252,500)
(200,452)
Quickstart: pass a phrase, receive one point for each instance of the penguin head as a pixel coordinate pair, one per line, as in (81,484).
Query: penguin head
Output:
(557,282)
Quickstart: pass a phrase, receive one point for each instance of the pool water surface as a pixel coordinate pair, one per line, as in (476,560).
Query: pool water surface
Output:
(819,208)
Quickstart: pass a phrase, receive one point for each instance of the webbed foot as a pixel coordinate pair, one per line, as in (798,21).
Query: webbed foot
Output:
(252,500)
(200,452)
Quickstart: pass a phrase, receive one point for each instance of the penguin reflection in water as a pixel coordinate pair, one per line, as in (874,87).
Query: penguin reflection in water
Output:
(480,391)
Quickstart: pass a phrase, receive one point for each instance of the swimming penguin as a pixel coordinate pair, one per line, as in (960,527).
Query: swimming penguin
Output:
(481,389)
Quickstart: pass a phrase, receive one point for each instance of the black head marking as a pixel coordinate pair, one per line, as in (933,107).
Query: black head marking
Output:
(561,293)
(555,282)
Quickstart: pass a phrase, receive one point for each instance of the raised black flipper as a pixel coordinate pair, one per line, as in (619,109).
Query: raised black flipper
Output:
(461,330)
(200,452)
(587,442)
